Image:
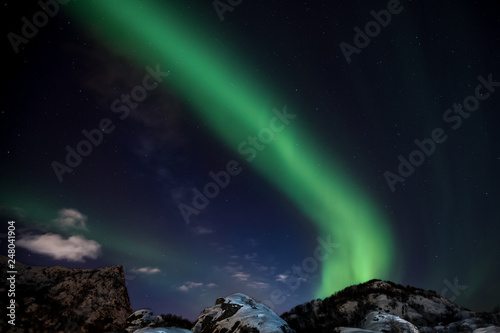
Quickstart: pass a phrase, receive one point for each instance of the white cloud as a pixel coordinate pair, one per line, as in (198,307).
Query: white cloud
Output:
(71,218)
(258,285)
(199,230)
(75,248)
(281,277)
(211,285)
(183,288)
(241,276)
(146,270)
(230,269)
(190,285)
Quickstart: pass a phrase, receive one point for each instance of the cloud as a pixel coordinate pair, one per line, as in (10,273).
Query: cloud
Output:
(190,285)
(71,218)
(258,285)
(230,269)
(241,276)
(281,277)
(75,248)
(263,268)
(183,288)
(221,248)
(250,256)
(146,270)
(199,230)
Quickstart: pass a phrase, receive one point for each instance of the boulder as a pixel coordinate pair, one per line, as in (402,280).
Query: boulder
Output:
(239,313)
(142,318)
(385,322)
(162,330)
(58,299)
(489,329)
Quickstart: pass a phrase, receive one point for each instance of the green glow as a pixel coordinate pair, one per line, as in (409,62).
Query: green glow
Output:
(235,104)
(40,213)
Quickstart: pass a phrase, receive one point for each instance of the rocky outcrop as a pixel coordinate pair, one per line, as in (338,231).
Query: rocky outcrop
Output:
(349,308)
(144,321)
(141,319)
(164,330)
(57,299)
(385,322)
(239,313)
(381,322)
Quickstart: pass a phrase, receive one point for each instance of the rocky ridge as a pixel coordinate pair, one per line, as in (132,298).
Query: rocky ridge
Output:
(424,309)
(58,299)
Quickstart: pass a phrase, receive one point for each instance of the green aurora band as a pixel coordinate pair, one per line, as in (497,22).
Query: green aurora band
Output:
(234,104)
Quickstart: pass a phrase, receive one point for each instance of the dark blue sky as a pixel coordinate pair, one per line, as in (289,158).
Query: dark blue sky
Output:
(120,204)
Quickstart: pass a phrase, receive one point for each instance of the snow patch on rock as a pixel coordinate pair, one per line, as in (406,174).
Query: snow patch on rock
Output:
(385,322)
(239,313)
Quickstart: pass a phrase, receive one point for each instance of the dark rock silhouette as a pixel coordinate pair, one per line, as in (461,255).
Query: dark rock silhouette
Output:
(58,299)
(354,306)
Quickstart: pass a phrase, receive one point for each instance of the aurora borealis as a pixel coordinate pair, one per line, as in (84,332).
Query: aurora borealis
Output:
(332,203)
(300,140)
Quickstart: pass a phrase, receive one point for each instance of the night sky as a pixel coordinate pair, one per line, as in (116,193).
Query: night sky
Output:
(283,150)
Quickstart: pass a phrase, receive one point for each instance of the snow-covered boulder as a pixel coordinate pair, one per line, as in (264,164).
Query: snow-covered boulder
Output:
(354,330)
(489,329)
(385,322)
(239,313)
(162,330)
(142,318)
